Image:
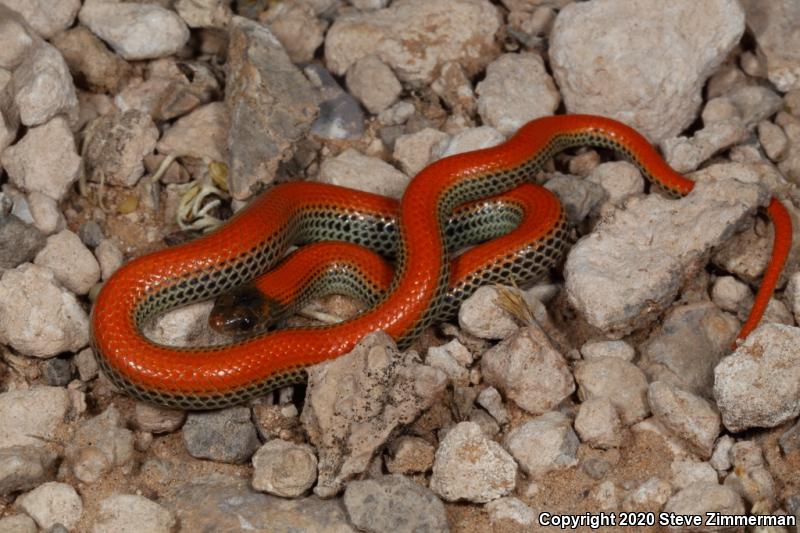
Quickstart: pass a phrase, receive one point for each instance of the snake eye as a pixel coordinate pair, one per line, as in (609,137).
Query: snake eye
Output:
(246,322)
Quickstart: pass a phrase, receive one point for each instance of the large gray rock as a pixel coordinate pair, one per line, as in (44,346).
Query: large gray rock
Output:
(459,30)
(355,402)
(38,317)
(759,384)
(271,105)
(643,62)
(630,269)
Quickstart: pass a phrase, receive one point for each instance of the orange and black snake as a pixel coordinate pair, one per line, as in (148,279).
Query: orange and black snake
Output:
(426,283)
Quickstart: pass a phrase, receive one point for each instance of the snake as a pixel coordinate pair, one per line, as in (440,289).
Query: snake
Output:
(258,237)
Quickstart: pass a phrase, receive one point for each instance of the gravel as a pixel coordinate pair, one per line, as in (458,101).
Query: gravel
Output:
(612,385)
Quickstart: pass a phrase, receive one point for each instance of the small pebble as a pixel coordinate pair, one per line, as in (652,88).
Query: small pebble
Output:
(397,114)
(57,371)
(516,89)
(295,26)
(17,38)
(511,509)
(19,242)
(528,370)
(730,294)
(414,151)
(619,179)
(18,523)
(468,140)
(109,256)
(357,171)
(284,468)
(409,455)
(490,400)
(597,349)
(43,87)
(45,160)
(25,467)
(276,421)
(580,197)
(136,31)
(773,140)
(440,358)
(90,59)
(394,503)
(52,503)
(100,444)
(720,459)
(488,424)
(690,417)
(595,467)
(468,466)
(373,83)
(789,440)
(131,513)
(114,153)
(91,234)
(86,363)
(584,163)
(227,435)
(774,375)
(45,212)
(597,423)
(72,263)
(688,471)
(621,382)
(32,417)
(606,496)
(544,444)
(750,477)
(703,497)
(481,316)
(693,339)
(156,419)
(649,496)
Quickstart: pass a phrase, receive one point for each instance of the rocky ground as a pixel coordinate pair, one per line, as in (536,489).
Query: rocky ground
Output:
(611,387)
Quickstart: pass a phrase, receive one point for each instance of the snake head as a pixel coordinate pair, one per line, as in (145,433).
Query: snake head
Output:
(242,311)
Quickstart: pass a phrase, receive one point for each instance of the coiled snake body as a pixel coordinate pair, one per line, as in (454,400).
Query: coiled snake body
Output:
(423,286)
